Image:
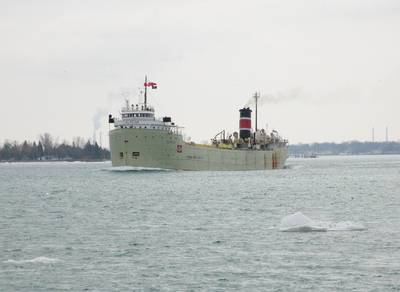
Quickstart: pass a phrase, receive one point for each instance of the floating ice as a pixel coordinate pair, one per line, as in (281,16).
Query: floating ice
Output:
(346,226)
(300,223)
(40,260)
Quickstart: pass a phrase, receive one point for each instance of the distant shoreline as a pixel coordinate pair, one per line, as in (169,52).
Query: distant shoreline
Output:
(52,161)
(345,148)
(48,149)
(342,155)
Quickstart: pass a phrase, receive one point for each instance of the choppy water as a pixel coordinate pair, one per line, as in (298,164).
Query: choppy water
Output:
(82,226)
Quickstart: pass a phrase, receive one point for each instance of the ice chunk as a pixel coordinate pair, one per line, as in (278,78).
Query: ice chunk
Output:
(300,223)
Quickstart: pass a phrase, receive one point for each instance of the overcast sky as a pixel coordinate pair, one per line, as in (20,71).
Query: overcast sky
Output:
(329,70)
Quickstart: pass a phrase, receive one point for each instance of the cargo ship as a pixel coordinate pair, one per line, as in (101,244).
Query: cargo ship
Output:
(139,139)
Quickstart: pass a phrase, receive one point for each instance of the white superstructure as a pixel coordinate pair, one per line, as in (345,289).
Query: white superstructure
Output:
(142,116)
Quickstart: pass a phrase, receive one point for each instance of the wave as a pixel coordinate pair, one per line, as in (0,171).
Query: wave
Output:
(293,166)
(134,169)
(300,223)
(38,260)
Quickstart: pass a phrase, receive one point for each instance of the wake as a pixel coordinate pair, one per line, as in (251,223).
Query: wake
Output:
(38,260)
(134,169)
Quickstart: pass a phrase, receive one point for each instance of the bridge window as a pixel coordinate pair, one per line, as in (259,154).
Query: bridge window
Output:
(121,155)
(135,154)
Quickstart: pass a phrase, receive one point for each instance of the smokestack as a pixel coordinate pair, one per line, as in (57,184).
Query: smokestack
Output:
(373,135)
(387,134)
(245,123)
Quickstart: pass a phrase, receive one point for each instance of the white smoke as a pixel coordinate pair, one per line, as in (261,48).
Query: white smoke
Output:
(114,100)
(99,118)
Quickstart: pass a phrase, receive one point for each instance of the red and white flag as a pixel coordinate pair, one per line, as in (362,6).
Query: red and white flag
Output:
(153,85)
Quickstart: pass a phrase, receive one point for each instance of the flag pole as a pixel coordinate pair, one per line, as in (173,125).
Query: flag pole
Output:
(145,91)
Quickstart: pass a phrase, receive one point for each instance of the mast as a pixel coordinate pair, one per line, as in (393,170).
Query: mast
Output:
(145,91)
(256,97)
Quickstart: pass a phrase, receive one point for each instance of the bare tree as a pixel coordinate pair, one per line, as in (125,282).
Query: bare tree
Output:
(79,142)
(47,141)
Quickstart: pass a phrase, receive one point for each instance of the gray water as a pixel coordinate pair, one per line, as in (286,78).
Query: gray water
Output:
(84,226)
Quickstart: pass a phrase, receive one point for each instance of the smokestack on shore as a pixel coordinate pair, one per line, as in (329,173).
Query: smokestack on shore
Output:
(387,134)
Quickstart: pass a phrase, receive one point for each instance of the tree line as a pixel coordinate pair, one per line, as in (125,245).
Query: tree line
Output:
(346,148)
(48,148)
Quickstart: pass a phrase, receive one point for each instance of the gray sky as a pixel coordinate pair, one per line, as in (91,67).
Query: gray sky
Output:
(331,69)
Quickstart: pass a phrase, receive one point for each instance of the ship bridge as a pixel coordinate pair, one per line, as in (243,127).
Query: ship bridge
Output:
(142,116)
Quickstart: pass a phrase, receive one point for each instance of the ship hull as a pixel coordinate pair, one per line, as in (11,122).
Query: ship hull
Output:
(163,149)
